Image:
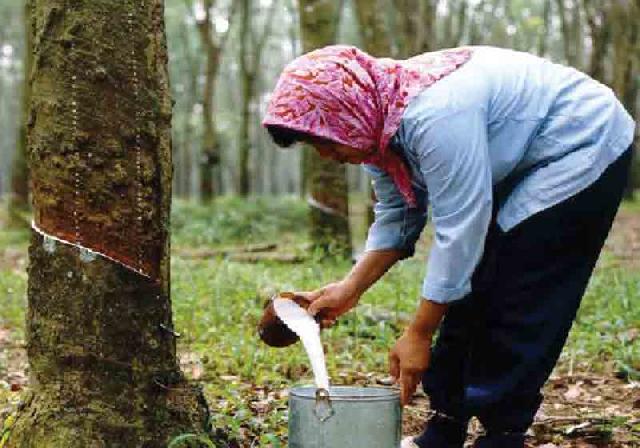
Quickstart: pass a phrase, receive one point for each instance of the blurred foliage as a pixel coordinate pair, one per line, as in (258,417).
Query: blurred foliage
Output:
(232,220)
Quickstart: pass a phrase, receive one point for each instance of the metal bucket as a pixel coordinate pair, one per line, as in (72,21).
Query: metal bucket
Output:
(347,417)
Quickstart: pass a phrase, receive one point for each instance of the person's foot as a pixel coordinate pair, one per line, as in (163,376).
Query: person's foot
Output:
(408,442)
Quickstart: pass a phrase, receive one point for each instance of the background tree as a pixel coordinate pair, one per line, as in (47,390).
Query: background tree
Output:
(251,51)
(212,43)
(625,17)
(377,41)
(101,350)
(185,70)
(327,180)
(597,18)
(19,198)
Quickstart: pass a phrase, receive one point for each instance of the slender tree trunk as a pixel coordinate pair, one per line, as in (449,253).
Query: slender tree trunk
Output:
(377,42)
(427,31)
(210,156)
(375,33)
(597,16)
(190,149)
(546,21)
(626,64)
(251,46)
(103,368)
(246,85)
(182,175)
(409,21)
(460,14)
(569,30)
(477,24)
(19,198)
(577,35)
(327,180)
(415,24)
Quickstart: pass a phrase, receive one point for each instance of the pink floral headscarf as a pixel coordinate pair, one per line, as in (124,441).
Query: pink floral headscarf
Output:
(345,95)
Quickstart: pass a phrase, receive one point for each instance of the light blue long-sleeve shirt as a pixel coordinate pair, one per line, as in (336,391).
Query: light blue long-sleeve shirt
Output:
(503,113)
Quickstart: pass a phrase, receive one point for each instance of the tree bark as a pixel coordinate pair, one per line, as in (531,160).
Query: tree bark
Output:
(19,198)
(103,368)
(326,180)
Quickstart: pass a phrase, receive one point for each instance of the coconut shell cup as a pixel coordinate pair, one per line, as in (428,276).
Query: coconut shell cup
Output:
(272,330)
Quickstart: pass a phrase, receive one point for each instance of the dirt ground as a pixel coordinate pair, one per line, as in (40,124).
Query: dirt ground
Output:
(580,410)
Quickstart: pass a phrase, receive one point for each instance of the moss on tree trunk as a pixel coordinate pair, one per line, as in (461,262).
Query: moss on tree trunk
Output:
(103,367)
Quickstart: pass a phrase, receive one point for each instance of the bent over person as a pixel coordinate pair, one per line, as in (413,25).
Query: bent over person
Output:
(523,163)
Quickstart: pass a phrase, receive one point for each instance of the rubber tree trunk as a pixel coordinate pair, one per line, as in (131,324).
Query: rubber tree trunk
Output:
(247,84)
(103,368)
(377,42)
(210,158)
(626,65)
(327,186)
(570,26)
(598,17)
(251,52)
(191,73)
(19,198)
(543,38)
(415,25)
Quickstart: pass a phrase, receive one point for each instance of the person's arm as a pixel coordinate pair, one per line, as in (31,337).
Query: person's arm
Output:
(455,165)
(392,237)
(335,299)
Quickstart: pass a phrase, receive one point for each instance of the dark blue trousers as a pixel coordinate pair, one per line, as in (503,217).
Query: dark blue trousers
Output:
(497,347)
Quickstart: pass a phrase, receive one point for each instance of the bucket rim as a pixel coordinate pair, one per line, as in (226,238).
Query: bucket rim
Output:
(380,393)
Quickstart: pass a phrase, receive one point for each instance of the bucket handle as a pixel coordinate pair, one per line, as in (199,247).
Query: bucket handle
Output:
(323,409)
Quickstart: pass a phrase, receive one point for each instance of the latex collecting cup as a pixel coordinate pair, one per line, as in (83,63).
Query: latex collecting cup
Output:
(271,329)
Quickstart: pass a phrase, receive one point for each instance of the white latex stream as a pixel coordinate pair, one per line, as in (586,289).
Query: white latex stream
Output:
(302,323)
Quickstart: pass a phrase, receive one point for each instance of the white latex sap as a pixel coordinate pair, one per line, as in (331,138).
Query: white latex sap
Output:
(302,323)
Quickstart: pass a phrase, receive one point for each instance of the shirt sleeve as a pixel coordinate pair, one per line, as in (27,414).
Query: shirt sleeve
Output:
(395,226)
(454,162)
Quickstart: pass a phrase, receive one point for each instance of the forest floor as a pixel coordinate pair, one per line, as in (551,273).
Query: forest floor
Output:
(219,285)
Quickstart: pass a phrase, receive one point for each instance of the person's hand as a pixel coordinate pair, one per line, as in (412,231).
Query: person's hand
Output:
(408,360)
(331,301)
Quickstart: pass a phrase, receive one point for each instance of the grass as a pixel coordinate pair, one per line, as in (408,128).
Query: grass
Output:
(217,304)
